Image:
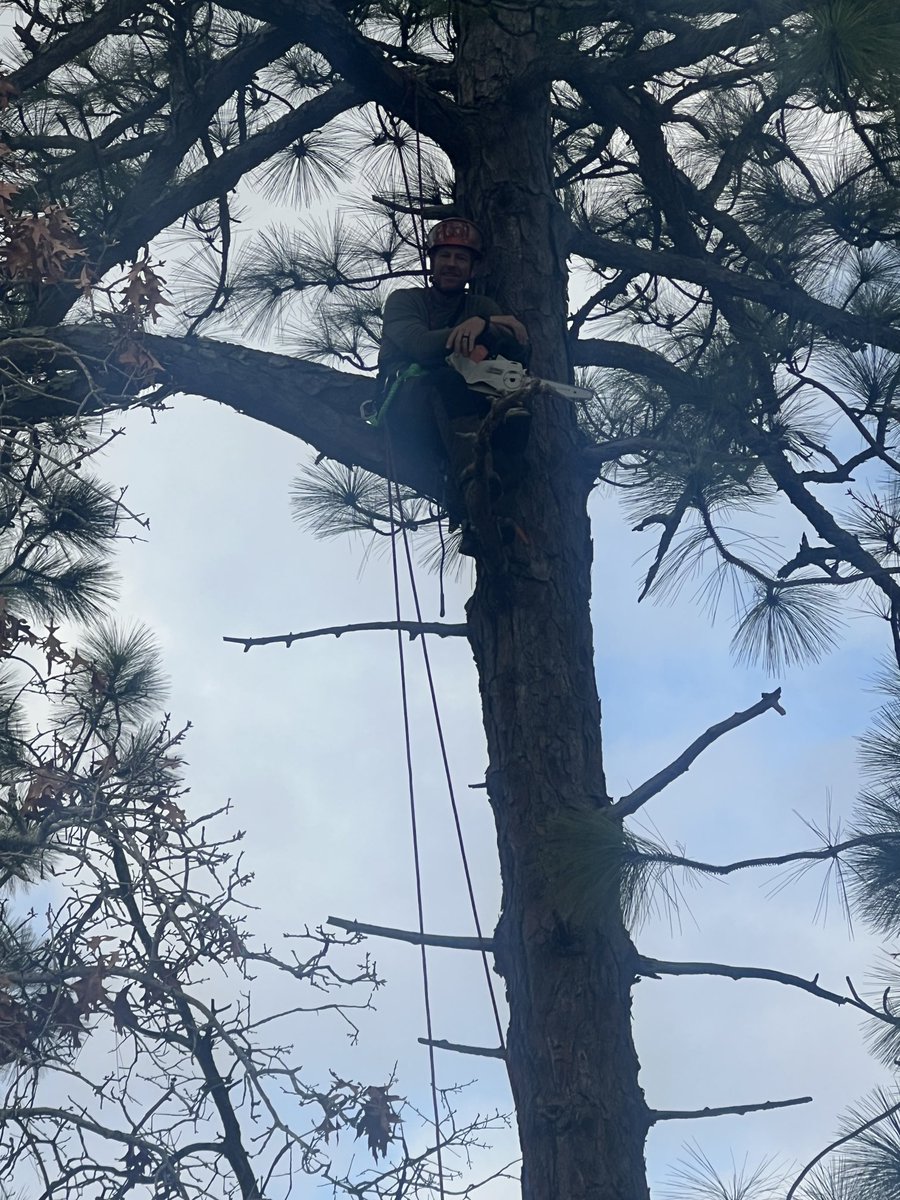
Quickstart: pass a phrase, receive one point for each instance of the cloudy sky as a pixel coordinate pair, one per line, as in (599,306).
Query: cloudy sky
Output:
(307,743)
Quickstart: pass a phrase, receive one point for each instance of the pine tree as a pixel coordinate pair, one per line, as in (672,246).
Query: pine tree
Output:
(726,176)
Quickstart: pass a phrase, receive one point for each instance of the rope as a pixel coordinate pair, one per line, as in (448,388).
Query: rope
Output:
(451,791)
(395,499)
(415,829)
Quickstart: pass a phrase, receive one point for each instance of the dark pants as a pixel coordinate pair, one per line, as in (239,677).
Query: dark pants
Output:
(437,416)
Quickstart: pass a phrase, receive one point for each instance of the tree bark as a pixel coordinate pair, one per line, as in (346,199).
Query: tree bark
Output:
(572,1063)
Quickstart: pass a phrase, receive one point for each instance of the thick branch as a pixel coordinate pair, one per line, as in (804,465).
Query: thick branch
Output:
(791,300)
(309,401)
(605,452)
(196,107)
(80,37)
(692,45)
(323,28)
(730,1110)
(625,356)
(142,222)
(633,801)
(413,628)
(442,941)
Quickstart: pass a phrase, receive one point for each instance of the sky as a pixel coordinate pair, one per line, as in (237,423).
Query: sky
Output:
(307,743)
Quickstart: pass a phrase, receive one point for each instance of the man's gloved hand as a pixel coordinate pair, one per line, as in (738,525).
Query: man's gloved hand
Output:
(511,325)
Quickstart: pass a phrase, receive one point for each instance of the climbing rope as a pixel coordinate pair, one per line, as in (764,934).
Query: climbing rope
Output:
(411,788)
(398,523)
(439,729)
(448,777)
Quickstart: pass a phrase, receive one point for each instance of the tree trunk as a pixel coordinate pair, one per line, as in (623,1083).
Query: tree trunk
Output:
(572,1064)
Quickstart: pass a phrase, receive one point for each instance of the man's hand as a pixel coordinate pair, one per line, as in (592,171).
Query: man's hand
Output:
(463,337)
(513,325)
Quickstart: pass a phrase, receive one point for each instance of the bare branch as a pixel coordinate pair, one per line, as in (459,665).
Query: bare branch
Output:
(413,628)
(653,968)
(444,941)
(832,850)
(479,1051)
(632,802)
(730,1110)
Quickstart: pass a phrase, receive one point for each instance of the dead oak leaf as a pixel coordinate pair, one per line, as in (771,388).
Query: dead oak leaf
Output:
(377,1120)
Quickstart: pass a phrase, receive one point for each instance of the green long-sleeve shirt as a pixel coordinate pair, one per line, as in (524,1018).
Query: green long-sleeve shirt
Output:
(417,323)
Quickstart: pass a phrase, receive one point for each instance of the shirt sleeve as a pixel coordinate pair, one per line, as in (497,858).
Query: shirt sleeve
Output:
(405,330)
(497,340)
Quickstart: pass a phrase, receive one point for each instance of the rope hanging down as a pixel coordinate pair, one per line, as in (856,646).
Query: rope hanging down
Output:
(398,523)
(410,780)
(439,729)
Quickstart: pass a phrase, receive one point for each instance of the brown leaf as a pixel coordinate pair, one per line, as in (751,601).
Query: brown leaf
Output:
(8,92)
(89,992)
(377,1120)
(53,647)
(46,787)
(133,354)
(94,943)
(13,1028)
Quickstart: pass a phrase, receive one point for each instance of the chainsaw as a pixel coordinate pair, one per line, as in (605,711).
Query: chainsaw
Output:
(503,377)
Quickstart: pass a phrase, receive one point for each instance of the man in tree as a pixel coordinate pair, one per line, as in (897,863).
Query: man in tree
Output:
(426,398)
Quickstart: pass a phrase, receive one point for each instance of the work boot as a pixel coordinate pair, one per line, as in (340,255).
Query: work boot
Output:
(511,435)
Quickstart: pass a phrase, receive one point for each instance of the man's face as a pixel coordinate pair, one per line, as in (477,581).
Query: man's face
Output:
(451,268)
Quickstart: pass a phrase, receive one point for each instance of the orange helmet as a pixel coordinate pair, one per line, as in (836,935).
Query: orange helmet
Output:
(455,231)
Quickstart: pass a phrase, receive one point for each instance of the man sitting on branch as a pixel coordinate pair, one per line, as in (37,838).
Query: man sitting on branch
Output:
(429,400)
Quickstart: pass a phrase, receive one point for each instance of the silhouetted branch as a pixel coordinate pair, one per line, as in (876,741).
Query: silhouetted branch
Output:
(654,968)
(479,1051)
(417,939)
(633,801)
(729,1110)
(413,628)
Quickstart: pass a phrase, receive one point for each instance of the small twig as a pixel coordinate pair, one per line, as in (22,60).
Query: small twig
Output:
(409,935)
(413,628)
(633,801)
(733,1110)
(480,1051)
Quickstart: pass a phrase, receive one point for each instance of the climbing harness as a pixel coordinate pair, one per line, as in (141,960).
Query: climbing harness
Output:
(374,411)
